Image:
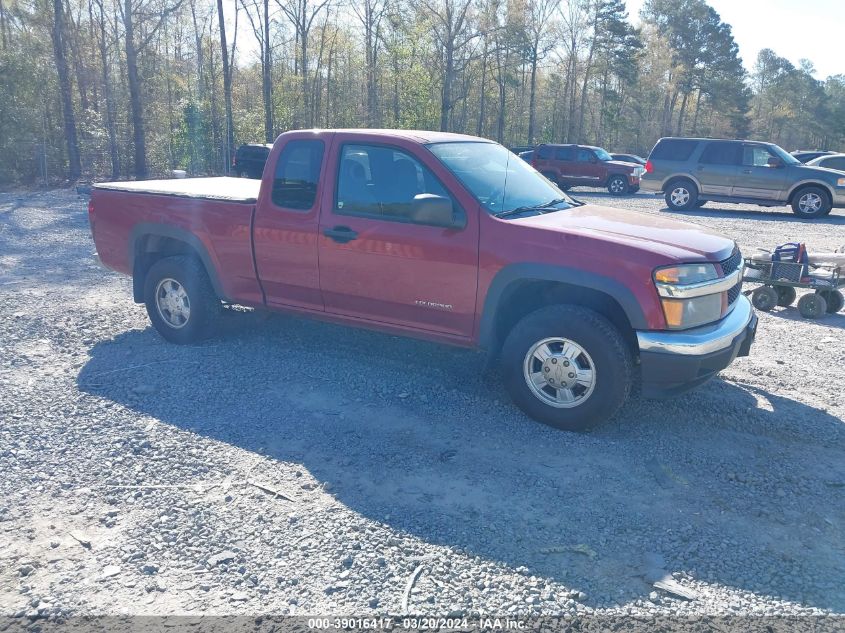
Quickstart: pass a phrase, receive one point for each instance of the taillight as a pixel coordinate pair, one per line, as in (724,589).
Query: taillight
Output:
(90,206)
(649,168)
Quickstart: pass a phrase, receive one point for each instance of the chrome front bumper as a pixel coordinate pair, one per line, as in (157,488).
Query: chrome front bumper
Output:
(699,341)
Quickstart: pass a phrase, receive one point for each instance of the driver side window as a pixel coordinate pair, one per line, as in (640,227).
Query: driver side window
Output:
(383,182)
(757,156)
(585,155)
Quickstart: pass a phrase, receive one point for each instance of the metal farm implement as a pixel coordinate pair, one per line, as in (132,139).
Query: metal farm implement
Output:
(780,279)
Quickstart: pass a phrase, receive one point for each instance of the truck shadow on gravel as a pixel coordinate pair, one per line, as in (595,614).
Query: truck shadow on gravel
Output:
(731,485)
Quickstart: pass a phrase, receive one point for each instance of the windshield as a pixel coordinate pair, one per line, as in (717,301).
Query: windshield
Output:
(602,154)
(499,179)
(786,157)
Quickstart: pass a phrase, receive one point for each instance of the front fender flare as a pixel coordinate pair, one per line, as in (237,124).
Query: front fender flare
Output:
(514,273)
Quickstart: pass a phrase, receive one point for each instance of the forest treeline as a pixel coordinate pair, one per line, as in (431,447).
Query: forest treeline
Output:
(134,88)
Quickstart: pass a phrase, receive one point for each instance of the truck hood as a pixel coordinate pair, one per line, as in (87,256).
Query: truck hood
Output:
(665,237)
(813,171)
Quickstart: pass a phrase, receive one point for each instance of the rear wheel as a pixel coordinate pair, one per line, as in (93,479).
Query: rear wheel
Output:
(834,299)
(567,366)
(811,202)
(617,185)
(764,298)
(681,195)
(180,301)
(812,306)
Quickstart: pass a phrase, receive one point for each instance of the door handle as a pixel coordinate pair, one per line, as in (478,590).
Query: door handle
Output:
(341,234)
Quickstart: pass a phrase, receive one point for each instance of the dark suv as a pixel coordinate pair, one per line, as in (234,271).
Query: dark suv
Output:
(692,171)
(249,160)
(586,166)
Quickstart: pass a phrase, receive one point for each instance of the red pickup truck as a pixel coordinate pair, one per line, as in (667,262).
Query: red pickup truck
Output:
(445,237)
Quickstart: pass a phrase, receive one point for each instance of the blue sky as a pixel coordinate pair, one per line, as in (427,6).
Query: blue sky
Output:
(795,29)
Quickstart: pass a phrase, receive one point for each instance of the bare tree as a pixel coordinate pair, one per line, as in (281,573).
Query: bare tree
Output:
(453,32)
(301,14)
(260,24)
(370,13)
(68,119)
(539,20)
(104,44)
(227,83)
(150,16)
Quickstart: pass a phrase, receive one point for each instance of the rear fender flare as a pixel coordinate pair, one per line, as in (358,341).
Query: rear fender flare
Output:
(149,229)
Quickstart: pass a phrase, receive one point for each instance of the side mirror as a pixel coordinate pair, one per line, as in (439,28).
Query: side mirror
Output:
(429,208)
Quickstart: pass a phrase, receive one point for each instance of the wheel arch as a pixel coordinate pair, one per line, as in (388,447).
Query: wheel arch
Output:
(519,289)
(681,176)
(809,183)
(149,242)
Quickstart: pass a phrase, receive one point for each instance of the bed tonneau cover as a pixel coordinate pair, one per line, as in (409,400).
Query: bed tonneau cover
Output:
(222,188)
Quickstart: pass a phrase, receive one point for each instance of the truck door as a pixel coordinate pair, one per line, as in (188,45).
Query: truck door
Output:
(286,223)
(718,167)
(379,261)
(763,174)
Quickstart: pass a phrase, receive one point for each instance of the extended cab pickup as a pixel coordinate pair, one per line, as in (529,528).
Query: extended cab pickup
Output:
(445,237)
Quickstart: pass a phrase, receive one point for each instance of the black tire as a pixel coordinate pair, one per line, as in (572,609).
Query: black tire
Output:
(681,195)
(204,307)
(700,203)
(812,306)
(786,295)
(811,202)
(764,298)
(634,189)
(608,352)
(617,185)
(834,299)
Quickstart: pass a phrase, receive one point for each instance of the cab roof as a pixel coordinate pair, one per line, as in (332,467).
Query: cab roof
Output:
(415,136)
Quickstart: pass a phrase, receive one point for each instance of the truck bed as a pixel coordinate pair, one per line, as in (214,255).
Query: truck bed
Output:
(243,190)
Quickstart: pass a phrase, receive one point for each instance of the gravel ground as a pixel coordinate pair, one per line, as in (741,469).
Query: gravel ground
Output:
(239,476)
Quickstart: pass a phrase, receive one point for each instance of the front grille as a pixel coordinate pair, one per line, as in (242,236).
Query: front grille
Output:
(733,293)
(731,263)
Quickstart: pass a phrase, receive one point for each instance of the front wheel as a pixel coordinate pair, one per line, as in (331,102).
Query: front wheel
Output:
(567,366)
(811,202)
(180,301)
(617,185)
(765,298)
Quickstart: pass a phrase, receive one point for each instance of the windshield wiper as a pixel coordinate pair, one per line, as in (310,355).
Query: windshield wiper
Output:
(532,207)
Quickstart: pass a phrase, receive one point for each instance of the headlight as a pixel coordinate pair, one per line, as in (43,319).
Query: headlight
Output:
(685,274)
(687,297)
(840,182)
(687,313)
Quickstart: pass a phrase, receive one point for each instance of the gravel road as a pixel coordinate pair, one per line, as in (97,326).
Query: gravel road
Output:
(295,467)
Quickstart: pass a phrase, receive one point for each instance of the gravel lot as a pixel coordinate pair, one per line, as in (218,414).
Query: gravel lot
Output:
(242,476)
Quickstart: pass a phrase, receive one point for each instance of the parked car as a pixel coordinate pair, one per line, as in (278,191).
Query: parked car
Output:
(586,166)
(629,158)
(829,161)
(519,149)
(693,171)
(250,159)
(443,237)
(527,156)
(806,155)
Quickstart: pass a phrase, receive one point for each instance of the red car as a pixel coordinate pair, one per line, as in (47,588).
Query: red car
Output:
(587,166)
(444,237)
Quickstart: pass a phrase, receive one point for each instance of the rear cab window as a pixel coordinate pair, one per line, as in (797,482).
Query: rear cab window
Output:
(674,149)
(297,174)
